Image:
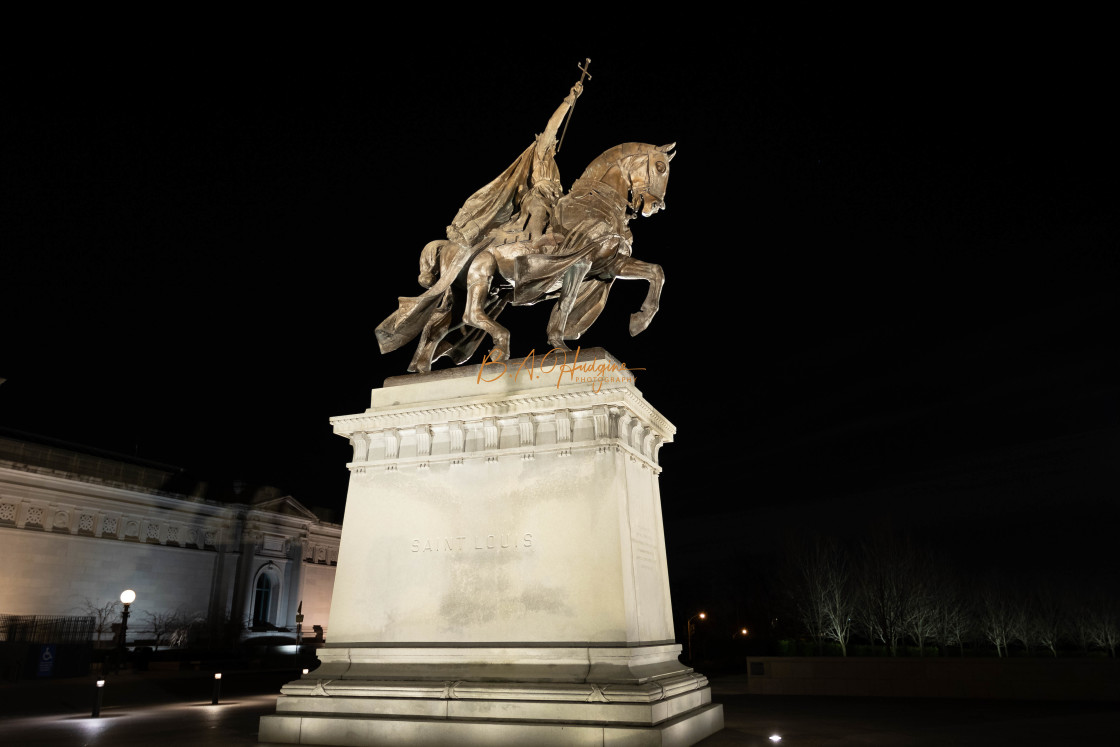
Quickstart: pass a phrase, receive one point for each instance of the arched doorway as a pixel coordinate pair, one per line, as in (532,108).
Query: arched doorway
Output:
(262,600)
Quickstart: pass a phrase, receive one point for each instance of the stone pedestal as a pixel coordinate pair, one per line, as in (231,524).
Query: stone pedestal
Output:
(502,575)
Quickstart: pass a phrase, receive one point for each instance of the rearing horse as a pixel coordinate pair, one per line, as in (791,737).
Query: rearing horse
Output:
(587,248)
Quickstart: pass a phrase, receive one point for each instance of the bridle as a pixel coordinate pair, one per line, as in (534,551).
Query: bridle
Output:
(643,185)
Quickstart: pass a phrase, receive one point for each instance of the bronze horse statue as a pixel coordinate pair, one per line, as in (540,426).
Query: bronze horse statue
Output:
(586,247)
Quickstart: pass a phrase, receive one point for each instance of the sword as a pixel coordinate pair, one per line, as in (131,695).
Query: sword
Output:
(583,74)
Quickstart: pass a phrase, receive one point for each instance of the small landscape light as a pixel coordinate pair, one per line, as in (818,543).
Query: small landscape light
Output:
(217,688)
(97,699)
(306,671)
(775,738)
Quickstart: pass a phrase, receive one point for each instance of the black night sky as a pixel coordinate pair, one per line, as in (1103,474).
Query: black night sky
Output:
(887,262)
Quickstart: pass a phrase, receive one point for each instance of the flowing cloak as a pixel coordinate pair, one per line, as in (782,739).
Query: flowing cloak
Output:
(483,211)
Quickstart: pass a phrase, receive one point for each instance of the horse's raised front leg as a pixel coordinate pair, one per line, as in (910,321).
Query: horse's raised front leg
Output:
(635,269)
(569,291)
(482,270)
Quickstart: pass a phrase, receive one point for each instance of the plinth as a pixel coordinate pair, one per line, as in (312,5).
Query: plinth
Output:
(501,577)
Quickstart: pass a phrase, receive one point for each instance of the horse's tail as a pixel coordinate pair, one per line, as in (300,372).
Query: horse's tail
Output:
(429,262)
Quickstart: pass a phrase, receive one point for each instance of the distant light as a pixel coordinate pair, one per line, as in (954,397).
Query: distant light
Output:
(743,631)
(101,683)
(703,616)
(128,596)
(775,738)
(217,675)
(306,671)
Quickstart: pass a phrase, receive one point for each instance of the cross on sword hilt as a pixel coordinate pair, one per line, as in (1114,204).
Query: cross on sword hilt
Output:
(582,74)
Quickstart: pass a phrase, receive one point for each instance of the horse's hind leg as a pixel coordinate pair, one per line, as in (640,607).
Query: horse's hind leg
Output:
(569,291)
(482,270)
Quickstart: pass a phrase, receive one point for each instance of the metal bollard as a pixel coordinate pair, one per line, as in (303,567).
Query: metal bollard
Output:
(97,699)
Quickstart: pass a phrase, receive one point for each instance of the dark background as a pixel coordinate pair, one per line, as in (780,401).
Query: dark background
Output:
(891,266)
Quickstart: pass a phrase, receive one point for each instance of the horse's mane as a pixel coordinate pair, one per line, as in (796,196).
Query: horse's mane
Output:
(603,163)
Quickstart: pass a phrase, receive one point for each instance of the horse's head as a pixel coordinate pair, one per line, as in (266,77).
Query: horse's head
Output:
(640,169)
(649,178)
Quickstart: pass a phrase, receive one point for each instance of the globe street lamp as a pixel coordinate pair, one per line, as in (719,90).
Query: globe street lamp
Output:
(692,627)
(128,596)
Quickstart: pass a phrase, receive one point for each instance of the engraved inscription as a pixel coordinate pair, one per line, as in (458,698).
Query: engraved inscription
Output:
(644,548)
(460,543)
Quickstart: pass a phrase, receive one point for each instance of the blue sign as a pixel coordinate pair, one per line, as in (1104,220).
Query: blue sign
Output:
(46,660)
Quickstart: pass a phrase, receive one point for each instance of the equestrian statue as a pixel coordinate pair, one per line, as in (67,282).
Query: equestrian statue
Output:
(520,240)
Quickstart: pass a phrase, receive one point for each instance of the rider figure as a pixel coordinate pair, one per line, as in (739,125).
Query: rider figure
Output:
(534,199)
(545,189)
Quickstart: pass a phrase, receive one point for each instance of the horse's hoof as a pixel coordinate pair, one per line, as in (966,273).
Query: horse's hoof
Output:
(559,345)
(638,322)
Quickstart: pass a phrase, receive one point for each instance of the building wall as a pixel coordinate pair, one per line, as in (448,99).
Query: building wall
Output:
(67,538)
(318,583)
(46,573)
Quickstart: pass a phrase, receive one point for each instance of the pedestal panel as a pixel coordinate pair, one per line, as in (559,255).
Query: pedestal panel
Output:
(502,573)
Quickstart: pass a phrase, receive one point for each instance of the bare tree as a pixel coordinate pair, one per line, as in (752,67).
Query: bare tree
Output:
(952,620)
(840,594)
(104,615)
(920,618)
(824,590)
(1104,624)
(1024,623)
(864,621)
(998,614)
(181,635)
(1048,616)
(808,591)
(163,624)
(1079,623)
(886,576)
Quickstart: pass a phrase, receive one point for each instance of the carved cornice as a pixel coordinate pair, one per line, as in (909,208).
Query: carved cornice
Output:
(56,506)
(601,428)
(510,406)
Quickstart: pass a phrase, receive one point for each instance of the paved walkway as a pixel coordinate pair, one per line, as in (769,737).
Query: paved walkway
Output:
(169,709)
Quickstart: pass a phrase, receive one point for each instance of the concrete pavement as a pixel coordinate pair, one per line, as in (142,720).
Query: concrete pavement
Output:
(169,709)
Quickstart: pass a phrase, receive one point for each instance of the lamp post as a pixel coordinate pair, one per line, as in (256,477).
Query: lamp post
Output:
(128,596)
(217,688)
(691,627)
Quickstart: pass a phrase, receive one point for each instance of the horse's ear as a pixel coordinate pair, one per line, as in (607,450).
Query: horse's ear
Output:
(667,148)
